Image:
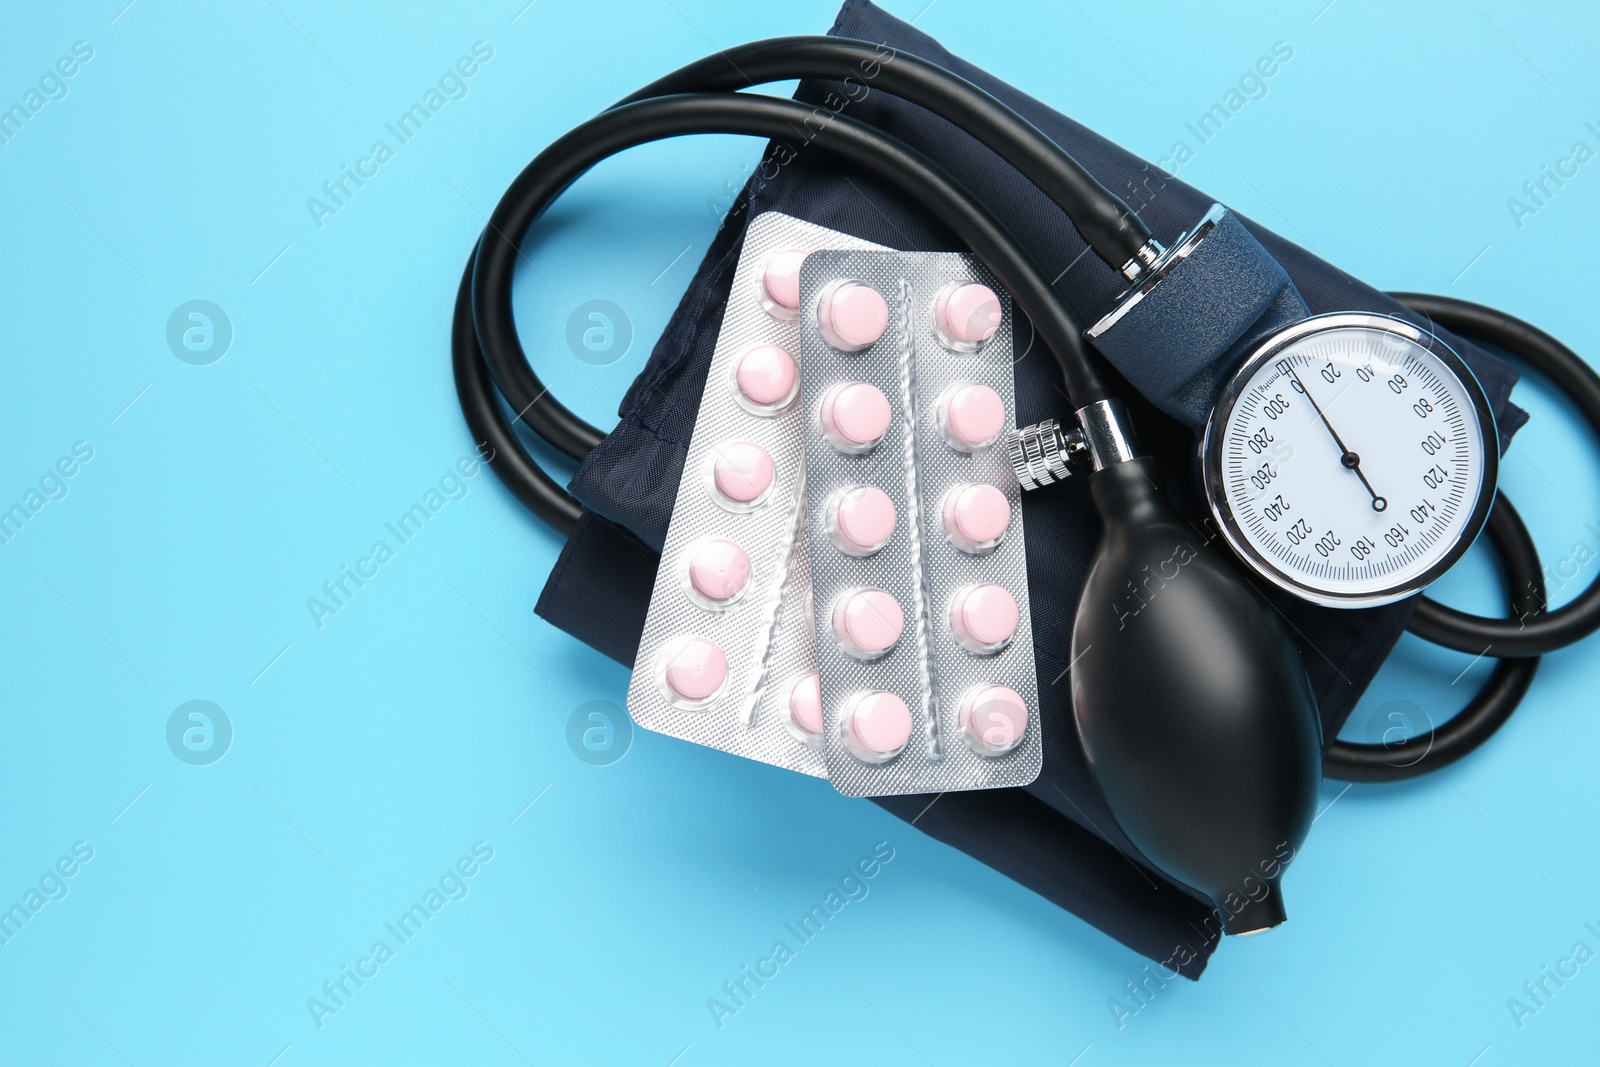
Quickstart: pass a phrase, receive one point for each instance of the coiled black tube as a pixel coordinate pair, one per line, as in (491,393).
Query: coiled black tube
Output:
(1437,748)
(1101,217)
(489,334)
(1527,344)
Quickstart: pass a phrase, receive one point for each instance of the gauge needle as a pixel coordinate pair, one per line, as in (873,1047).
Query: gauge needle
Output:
(1350,460)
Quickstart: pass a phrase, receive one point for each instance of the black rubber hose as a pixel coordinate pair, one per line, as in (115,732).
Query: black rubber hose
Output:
(492,431)
(1102,218)
(565,160)
(1573,621)
(1434,749)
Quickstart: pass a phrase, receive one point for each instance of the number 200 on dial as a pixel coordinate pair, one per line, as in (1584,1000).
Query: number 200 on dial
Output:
(1352,459)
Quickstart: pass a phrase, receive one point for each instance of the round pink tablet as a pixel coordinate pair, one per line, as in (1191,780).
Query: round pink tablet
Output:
(879,725)
(780,282)
(766,376)
(855,416)
(867,622)
(695,669)
(718,570)
(971,416)
(994,719)
(742,472)
(976,516)
(852,316)
(805,707)
(860,519)
(984,618)
(968,314)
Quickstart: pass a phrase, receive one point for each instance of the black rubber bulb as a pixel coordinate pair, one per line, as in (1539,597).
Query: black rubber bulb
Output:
(1197,716)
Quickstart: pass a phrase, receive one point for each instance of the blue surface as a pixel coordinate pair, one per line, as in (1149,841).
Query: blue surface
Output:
(370,754)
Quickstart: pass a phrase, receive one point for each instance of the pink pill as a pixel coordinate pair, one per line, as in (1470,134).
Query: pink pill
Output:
(967,314)
(860,519)
(867,622)
(718,570)
(855,416)
(766,376)
(695,670)
(742,472)
(878,725)
(976,516)
(984,618)
(780,283)
(805,708)
(994,720)
(852,316)
(971,416)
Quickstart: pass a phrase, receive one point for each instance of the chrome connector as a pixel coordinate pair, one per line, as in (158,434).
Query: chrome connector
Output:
(1107,433)
(1147,274)
(1044,453)
(1146,257)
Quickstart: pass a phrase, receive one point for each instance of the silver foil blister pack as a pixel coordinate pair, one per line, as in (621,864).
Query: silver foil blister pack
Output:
(919,578)
(726,659)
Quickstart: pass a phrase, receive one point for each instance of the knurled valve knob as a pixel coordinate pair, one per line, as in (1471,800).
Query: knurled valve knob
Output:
(1044,453)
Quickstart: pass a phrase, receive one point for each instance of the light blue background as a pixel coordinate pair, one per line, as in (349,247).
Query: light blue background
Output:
(370,753)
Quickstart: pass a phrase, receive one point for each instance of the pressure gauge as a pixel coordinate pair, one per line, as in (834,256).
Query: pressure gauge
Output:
(1351,459)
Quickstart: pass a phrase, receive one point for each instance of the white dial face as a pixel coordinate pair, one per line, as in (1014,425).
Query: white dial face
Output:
(1350,462)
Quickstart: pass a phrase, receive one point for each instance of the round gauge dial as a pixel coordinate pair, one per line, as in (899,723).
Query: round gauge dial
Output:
(1351,459)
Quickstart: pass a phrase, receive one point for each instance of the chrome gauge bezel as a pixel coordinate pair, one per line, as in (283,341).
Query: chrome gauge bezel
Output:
(1213,475)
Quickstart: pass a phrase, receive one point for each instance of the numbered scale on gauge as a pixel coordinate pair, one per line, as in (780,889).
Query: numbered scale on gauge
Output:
(1351,459)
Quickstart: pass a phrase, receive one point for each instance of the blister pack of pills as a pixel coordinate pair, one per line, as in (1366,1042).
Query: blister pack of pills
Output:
(727,659)
(919,580)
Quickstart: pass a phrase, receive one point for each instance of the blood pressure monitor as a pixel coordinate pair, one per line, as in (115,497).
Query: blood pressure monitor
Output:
(1351,459)
(1348,459)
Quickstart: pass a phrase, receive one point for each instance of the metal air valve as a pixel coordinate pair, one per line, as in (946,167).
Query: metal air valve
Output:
(1044,453)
